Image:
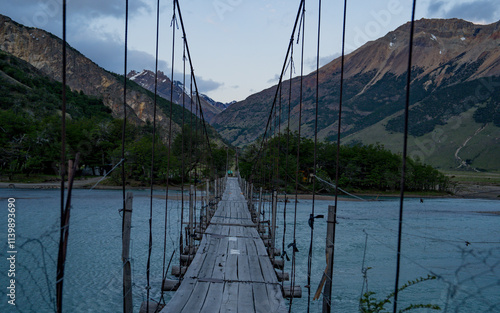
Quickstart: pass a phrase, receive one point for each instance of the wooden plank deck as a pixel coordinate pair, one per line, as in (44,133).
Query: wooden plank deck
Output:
(231,271)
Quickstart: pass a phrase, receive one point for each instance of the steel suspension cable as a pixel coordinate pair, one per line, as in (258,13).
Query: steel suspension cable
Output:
(126,263)
(183,164)
(192,70)
(405,151)
(328,293)
(61,258)
(312,217)
(162,300)
(299,13)
(153,146)
(294,244)
(173,24)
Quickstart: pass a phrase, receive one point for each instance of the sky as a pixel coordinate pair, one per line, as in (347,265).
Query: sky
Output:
(237,46)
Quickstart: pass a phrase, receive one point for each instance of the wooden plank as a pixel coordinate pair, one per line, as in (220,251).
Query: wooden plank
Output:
(181,296)
(261,298)
(243,268)
(261,249)
(276,302)
(213,301)
(229,298)
(221,257)
(197,298)
(245,298)
(242,247)
(251,248)
(231,270)
(195,267)
(207,268)
(267,270)
(255,269)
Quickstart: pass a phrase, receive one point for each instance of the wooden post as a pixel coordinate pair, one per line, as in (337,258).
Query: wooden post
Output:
(220,188)
(273,223)
(191,217)
(202,211)
(330,233)
(216,190)
(208,203)
(250,200)
(127,272)
(260,209)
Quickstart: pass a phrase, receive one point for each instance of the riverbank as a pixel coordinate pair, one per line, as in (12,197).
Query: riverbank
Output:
(466,190)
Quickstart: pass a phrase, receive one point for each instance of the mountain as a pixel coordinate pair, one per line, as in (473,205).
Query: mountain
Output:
(43,50)
(455,71)
(146,79)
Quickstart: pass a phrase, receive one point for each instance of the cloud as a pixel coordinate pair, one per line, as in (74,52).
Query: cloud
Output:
(109,54)
(484,10)
(435,7)
(477,11)
(311,62)
(205,85)
(89,8)
(274,80)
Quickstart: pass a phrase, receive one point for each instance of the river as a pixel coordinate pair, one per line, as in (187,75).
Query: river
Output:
(456,240)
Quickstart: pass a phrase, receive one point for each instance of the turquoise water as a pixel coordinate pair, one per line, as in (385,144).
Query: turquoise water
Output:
(435,239)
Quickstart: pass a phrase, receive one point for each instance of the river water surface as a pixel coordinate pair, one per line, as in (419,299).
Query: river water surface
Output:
(456,240)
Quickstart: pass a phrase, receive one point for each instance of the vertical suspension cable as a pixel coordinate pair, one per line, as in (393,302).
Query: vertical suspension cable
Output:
(327,298)
(124,128)
(294,244)
(405,150)
(169,147)
(150,220)
(124,125)
(153,151)
(194,78)
(153,146)
(287,176)
(183,165)
(290,45)
(61,253)
(311,218)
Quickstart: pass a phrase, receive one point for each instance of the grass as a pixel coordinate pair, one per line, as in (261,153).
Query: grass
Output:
(438,147)
(31,179)
(490,178)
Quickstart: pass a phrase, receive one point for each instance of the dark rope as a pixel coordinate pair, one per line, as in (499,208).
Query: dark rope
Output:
(150,245)
(299,13)
(337,165)
(183,166)
(405,149)
(124,128)
(153,153)
(61,253)
(169,147)
(310,255)
(294,251)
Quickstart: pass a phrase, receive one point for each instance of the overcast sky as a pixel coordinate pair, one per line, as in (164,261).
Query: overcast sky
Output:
(237,46)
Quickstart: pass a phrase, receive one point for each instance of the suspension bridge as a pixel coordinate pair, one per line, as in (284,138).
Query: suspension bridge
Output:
(233,267)
(232,270)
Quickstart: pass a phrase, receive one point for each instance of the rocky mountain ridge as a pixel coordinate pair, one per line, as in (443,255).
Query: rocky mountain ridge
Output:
(453,58)
(43,50)
(146,79)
